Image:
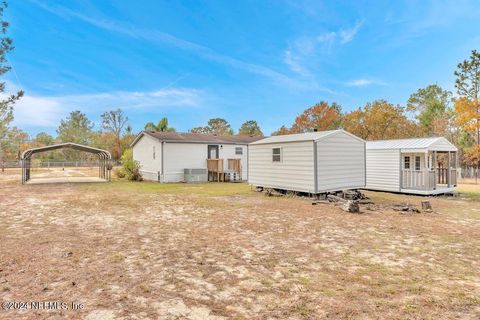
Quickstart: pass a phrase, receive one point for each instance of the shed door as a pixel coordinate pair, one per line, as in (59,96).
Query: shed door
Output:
(212,151)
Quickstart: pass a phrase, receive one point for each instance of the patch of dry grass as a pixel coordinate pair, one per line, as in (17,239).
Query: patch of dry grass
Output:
(213,251)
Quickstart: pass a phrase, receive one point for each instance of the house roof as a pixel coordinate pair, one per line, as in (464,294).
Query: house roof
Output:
(298,137)
(434,143)
(196,137)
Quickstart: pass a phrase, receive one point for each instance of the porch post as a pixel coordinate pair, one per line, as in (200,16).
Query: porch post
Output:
(434,160)
(426,175)
(448,170)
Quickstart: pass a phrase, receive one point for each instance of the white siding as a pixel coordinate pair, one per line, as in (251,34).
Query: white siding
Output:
(340,162)
(143,153)
(294,172)
(228,152)
(179,156)
(383,170)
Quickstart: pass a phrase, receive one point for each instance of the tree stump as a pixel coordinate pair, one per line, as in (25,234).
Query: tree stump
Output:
(426,205)
(351,206)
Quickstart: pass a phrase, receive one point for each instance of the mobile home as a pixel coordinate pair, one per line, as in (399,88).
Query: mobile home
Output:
(314,162)
(178,157)
(419,166)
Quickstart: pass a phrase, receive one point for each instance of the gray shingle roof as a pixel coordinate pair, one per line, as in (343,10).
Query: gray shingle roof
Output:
(197,137)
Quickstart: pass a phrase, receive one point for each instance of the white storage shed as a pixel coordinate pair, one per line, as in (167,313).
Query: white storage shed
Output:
(419,166)
(314,162)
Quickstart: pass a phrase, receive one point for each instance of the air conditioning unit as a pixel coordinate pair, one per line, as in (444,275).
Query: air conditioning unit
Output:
(195,175)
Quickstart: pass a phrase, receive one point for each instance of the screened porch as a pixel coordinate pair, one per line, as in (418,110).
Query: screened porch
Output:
(429,171)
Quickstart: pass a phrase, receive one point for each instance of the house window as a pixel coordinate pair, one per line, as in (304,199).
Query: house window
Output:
(276,154)
(417,163)
(153,153)
(238,150)
(406,162)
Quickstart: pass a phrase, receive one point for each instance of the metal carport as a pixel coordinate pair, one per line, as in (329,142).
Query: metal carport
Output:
(104,157)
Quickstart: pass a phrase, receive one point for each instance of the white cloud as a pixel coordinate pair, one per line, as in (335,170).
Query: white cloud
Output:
(301,52)
(327,40)
(47,111)
(363,82)
(294,63)
(347,35)
(153,35)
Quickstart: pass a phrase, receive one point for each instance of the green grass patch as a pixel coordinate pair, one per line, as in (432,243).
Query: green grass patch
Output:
(208,189)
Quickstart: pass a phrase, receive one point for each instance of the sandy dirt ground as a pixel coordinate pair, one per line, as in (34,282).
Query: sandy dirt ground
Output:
(144,250)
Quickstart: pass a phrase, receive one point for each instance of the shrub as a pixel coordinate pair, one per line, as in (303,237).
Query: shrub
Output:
(130,168)
(119,173)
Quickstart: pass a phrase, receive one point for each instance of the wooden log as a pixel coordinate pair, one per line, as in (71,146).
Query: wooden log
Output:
(365,201)
(314,203)
(333,198)
(272,193)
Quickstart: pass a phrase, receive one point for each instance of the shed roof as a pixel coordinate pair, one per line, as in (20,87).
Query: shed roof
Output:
(196,137)
(298,137)
(433,143)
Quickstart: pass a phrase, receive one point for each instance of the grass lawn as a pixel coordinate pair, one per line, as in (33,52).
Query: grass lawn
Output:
(222,251)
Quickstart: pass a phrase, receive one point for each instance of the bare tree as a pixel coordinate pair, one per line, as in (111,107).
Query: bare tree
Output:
(114,121)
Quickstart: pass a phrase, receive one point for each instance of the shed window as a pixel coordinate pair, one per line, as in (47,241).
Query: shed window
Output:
(238,150)
(406,162)
(276,154)
(417,163)
(153,152)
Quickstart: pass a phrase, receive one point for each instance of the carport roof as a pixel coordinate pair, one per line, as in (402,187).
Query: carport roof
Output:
(28,153)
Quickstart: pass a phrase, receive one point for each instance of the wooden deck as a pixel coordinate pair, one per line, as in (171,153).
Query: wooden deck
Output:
(217,172)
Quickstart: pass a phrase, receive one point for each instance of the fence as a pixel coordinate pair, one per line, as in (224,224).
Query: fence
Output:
(469,172)
(56,164)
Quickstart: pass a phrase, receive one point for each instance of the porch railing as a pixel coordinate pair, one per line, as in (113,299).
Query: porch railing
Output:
(428,179)
(412,179)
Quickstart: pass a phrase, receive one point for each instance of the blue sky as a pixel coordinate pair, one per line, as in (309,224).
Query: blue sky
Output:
(240,60)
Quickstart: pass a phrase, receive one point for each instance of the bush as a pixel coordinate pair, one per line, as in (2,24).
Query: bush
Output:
(130,168)
(119,173)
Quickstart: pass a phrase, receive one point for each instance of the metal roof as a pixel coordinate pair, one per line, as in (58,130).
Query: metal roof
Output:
(196,137)
(416,143)
(28,153)
(298,137)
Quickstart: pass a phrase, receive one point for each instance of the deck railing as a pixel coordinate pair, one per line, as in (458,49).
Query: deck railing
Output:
(215,165)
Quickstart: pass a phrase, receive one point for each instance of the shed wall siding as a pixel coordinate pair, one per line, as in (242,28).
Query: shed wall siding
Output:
(143,153)
(340,163)
(294,172)
(383,170)
(442,145)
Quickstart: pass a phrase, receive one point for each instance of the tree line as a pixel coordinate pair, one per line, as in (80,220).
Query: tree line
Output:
(430,111)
